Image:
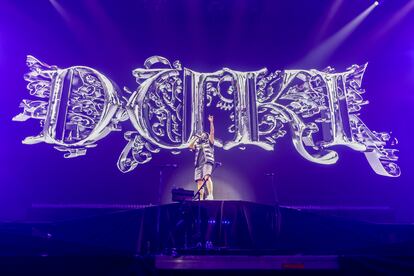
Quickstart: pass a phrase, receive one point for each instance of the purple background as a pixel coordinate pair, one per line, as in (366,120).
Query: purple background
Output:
(115,38)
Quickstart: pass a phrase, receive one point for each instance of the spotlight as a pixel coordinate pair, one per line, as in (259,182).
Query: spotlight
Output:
(376,3)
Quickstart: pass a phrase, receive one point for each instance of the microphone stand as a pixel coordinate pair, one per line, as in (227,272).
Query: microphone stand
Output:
(276,197)
(273,184)
(161,169)
(197,194)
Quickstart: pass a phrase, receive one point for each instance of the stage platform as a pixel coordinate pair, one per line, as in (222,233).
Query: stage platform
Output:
(207,235)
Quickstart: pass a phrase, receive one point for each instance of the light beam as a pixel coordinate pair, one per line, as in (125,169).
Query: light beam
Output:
(395,19)
(328,47)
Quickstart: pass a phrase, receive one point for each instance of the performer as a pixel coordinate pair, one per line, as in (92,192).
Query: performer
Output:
(203,144)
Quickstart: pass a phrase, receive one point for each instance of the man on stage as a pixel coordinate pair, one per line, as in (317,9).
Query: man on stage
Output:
(203,144)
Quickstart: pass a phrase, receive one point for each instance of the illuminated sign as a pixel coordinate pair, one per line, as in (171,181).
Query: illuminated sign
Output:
(78,106)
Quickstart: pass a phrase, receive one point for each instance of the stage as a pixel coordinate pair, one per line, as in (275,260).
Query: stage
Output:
(295,113)
(222,236)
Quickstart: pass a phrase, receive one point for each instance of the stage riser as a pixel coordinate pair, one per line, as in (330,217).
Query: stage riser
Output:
(209,227)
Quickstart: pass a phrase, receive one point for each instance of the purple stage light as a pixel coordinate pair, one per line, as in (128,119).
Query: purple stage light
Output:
(275,32)
(398,16)
(327,19)
(321,53)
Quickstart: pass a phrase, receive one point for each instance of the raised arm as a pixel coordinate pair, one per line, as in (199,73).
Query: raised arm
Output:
(211,136)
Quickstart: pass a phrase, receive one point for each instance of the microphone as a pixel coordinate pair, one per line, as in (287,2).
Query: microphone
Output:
(218,164)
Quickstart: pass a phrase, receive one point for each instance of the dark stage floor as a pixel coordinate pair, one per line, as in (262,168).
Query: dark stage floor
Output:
(221,236)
